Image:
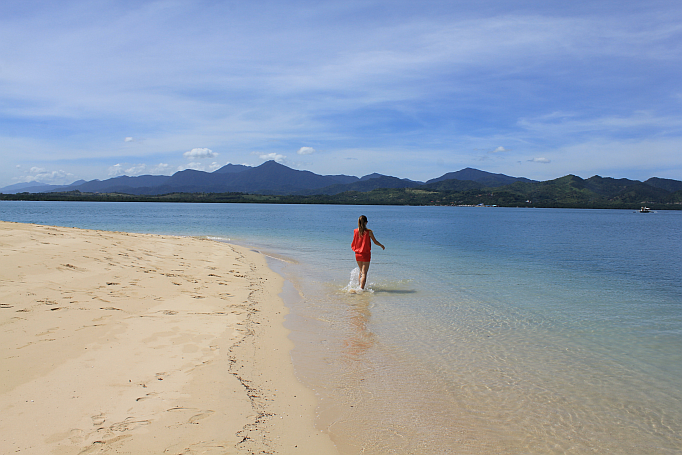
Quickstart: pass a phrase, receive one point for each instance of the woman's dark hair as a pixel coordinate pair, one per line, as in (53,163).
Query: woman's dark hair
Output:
(362,225)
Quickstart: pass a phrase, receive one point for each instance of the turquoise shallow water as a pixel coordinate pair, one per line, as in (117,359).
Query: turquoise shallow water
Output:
(486,330)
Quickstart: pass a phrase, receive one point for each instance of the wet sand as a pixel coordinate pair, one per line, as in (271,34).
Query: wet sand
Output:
(131,343)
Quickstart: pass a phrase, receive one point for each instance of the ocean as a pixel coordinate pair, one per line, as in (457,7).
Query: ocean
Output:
(483,330)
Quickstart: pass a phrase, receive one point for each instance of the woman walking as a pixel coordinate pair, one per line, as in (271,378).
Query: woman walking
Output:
(363,247)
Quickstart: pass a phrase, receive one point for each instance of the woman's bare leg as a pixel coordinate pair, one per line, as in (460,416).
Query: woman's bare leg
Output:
(364,268)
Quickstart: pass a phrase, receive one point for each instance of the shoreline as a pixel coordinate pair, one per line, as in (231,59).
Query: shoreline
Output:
(115,342)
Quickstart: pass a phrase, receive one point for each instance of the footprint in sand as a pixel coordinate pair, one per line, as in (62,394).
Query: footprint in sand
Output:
(129,424)
(76,436)
(147,396)
(180,408)
(196,417)
(202,415)
(48,331)
(98,420)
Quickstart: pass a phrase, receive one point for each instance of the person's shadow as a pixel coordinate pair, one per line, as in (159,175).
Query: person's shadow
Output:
(394,291)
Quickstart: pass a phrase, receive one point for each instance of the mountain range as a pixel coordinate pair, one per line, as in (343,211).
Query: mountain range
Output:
(268,178)
(464,186)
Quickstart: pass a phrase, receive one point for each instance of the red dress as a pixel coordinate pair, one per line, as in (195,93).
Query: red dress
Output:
(362,246)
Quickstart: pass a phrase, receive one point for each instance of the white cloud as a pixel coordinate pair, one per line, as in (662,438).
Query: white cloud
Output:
(130,170)
(136,169)
(37,170)
(115,170)
(214,166)
(273,156)
(200,153)
(540,160)
(59,177)
(194,165)
(306,150)
(129,139)
(499,150)
(160,168)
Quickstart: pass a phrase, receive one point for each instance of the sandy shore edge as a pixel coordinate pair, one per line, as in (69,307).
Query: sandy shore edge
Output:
(131,343)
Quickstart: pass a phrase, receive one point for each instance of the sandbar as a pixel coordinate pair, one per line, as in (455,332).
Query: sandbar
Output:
(114,342)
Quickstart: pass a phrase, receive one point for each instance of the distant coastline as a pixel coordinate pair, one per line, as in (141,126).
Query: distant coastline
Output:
(275,183)
(499,197)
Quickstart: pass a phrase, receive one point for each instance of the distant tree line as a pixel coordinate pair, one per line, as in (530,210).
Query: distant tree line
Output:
(565,192)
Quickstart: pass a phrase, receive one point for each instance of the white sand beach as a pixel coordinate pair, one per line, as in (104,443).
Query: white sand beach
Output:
(129,343)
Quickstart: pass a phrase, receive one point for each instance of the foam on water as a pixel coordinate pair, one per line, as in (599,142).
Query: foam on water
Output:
(353,286)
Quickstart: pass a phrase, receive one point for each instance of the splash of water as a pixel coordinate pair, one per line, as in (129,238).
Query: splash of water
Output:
(353,285)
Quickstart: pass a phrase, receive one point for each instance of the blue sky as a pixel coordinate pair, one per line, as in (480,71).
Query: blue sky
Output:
(415,89)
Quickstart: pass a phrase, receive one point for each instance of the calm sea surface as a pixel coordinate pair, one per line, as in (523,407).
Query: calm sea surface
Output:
(484,330)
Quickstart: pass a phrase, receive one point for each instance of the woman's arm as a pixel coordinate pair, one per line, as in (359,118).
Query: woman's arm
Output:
(371,236)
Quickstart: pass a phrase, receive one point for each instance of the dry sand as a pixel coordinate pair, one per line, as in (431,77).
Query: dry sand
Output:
(141,344)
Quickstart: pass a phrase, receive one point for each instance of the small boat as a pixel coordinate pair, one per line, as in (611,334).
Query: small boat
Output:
(644,210)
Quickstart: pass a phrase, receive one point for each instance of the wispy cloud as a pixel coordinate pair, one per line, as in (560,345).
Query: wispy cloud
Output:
(199,166)
(116,170)
(42,175)
(161,168)
(127,169)
(200,153)
(305,151)
(572,123)
(136,169)
(193,165)
(272,156)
